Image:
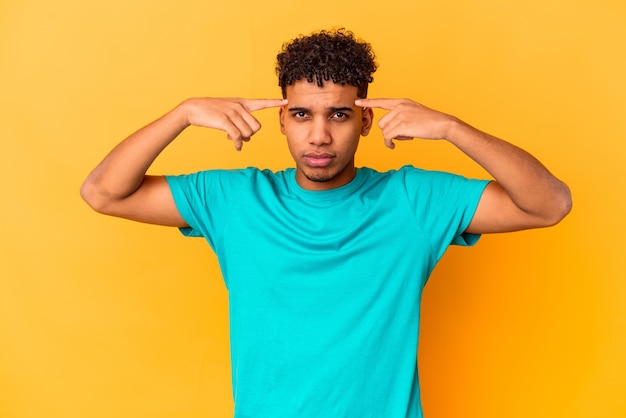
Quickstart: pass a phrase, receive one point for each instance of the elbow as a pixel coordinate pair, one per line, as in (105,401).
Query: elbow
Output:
(561,206)
(93,196)
(87,193)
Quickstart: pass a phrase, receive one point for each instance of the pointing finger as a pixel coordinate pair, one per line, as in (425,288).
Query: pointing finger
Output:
(386,104)
(258,104)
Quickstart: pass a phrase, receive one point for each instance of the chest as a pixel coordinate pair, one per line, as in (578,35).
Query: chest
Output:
(356,243)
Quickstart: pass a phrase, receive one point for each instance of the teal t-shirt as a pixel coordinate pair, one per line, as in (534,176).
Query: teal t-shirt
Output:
(325,286)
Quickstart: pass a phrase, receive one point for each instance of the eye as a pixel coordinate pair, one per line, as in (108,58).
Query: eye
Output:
(340,115)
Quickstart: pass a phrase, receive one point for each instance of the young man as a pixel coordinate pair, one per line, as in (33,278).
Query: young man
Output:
(325,263)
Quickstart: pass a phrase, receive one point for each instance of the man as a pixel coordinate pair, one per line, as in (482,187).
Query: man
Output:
(325,263)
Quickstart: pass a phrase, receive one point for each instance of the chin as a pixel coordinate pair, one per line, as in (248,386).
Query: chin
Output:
(319,177)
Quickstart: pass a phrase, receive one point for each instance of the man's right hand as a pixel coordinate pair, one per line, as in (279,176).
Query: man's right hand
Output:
(231,115)
(119,186)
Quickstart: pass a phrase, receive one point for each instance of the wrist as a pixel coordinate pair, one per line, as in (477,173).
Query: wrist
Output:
(185,112)
(454,129)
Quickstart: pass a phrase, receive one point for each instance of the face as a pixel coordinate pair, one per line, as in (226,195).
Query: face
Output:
(323,127)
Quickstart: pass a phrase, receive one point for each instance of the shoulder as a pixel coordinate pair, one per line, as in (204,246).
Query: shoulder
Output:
(411,175)
(239,175)
(427,186)
(433,178)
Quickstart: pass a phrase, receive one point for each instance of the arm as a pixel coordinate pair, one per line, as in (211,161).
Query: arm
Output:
(524,194)
(119,185)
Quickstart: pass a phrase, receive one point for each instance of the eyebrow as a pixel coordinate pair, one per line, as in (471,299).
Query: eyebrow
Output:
(331,109)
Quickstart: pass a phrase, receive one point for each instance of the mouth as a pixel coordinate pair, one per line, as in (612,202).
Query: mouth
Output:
(315,159)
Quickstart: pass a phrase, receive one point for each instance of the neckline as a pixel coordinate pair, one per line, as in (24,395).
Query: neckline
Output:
(324,195)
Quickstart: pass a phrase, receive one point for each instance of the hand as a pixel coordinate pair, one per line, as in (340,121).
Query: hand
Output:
(407,120)
(231,115)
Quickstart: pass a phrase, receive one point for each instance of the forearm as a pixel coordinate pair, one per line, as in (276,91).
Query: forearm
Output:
(123,170)
(531,187)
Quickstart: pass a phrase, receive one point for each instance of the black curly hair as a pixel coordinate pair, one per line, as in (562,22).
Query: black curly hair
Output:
(327,55)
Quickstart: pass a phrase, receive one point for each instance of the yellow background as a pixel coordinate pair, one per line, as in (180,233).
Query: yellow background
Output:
(101,317)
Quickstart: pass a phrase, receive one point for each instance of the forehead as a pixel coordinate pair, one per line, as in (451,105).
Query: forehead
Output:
(303,93)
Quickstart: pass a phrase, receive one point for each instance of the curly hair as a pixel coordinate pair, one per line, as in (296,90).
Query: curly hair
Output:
(327,55)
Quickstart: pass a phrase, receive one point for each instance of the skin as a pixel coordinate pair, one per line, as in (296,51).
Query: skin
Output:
(119,186)
(524,194)
(323,126)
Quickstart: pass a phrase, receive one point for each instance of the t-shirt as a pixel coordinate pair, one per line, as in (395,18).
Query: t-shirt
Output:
(324,287)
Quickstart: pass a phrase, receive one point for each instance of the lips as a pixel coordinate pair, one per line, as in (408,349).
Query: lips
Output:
(315,159)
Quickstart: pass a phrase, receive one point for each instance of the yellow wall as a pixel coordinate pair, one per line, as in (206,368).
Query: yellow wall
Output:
(100,317)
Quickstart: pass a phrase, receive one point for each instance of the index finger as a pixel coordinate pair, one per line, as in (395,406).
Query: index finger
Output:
(258,104)
(386,104)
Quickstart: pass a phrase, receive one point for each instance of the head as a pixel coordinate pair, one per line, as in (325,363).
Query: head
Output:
(321,75)
(326,56)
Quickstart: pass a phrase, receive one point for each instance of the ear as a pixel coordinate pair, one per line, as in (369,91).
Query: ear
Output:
(281,119)
(367,118)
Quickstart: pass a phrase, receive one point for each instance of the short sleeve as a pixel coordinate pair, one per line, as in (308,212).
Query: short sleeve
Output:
(444,205)
(204,200)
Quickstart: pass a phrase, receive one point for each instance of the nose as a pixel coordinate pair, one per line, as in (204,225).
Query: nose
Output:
(320,132)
